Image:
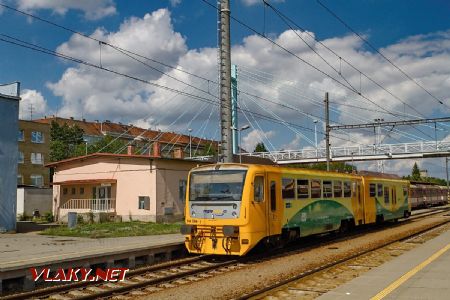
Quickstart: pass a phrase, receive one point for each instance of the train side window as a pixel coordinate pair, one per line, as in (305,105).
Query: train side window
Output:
(315,188)
(273,196)
(259,189)
(288,188)
(302,188)
(347,189)
(380,190)
(327,189)
(386,195)
(372,190)
(337,189)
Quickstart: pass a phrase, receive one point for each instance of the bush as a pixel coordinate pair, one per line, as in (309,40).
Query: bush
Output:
(48,216)
(80,219)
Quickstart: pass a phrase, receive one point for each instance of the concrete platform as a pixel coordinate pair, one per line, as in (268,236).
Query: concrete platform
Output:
(19,252)
(422,273)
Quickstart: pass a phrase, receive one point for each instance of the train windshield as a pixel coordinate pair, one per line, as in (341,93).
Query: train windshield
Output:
(216,185)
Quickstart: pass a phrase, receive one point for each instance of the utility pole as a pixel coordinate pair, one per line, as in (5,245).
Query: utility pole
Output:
(225,82)
(327,130)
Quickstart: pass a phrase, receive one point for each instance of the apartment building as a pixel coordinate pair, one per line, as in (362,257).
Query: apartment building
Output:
(34,147)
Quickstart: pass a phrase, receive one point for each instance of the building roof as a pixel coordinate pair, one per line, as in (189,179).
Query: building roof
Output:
(112,155)
(126,131)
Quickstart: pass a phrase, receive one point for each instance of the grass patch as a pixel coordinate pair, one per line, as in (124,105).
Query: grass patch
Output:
(104,230)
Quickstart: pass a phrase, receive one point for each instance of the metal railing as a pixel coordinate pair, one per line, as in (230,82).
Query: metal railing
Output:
(102,205)
(356,151)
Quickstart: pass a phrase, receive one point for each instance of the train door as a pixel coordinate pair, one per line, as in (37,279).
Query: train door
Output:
(359,196)
(273,206)
(259,203)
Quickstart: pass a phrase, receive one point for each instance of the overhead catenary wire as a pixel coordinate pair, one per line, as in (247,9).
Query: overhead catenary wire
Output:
(379,52)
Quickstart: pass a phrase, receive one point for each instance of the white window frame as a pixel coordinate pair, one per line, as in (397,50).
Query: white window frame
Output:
(37,158)
(37,137)
(21,138)
(20,158)
(33,177)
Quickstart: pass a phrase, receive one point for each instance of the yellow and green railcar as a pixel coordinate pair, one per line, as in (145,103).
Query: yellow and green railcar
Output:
(230,208)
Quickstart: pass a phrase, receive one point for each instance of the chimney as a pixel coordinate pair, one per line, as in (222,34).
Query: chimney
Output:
(156,149)
(178,153)
(130,150)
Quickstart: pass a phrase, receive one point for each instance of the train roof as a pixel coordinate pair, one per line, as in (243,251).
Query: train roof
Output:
(364,174)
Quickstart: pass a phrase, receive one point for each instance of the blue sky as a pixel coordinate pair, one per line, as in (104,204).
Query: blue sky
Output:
(415,34)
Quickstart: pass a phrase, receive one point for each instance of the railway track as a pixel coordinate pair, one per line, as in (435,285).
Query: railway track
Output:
(151,279)
(313,283)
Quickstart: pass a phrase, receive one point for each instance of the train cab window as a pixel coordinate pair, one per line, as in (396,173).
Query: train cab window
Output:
(327,189)
(372,190)
(337,189)
(347,189)
(288,188)
(379,190)
(302,188)
(386,194)
(316,188)
(273,196)
(259,189)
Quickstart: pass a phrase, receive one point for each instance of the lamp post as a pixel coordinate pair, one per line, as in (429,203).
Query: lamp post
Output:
(190,143)
(240,142)
(315,136)
(86,146)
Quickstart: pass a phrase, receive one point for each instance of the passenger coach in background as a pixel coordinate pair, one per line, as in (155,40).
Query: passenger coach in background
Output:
(425,194)
(230,208)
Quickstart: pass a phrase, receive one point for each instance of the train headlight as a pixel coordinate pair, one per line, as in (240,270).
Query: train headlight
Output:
(193,213)
(234,214)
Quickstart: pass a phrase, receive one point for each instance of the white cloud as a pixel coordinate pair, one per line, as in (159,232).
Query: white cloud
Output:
(32,104)
(257,136)
(253,2)
(93,10)
(264,70)
(174,2)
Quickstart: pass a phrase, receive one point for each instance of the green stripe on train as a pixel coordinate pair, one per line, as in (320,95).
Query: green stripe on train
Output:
(319,216)
(391,214)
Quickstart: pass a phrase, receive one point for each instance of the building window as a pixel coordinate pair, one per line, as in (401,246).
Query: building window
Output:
(74,190)
(327,189)
(21,137)
(288,188)
(315,188)
(65,191)
(337,189)
(302,188)
(37,180)
(372,190)
(258,189)
(144,202)
(182,190)
(37,137)
(81,190)
(19,179)
(21,158)
(37,158)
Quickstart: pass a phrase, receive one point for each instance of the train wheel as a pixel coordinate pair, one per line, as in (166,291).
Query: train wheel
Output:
(345,227)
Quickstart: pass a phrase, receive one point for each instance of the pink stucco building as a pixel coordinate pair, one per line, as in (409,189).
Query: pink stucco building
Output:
(139,187)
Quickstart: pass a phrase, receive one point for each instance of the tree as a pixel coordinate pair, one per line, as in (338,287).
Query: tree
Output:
(64,140)
(107,144)
(415,173)
(260,147)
